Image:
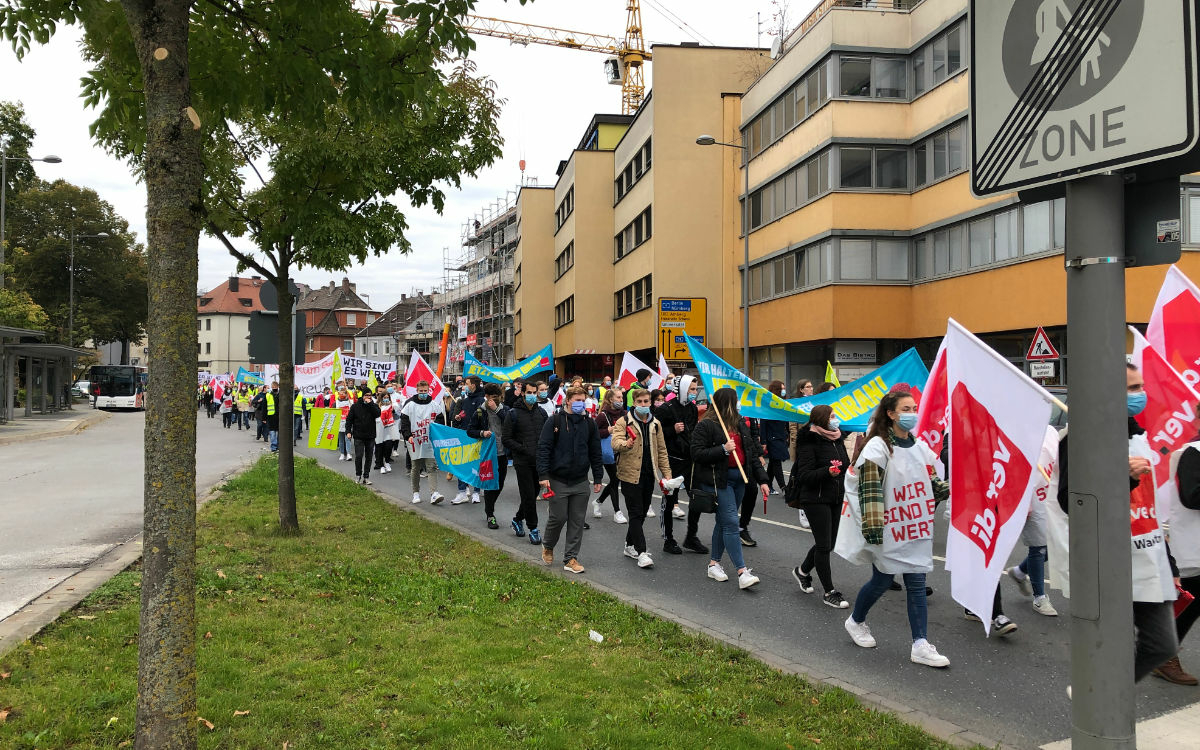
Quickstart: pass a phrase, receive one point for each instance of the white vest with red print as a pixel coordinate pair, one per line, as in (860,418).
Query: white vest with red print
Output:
(1152,581)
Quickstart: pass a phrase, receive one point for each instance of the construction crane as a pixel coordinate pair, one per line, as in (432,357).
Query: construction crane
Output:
(624,67)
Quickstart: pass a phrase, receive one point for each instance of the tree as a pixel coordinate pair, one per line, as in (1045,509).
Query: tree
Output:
(283,60)
(16,136)
(18,310)
(110,271)
(324,203)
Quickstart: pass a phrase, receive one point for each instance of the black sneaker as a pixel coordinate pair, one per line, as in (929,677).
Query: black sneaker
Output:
(692,544)
(586,526)
(804,581)
(836,600)
(671,547)
(895,586)
(491,523)
(747,540)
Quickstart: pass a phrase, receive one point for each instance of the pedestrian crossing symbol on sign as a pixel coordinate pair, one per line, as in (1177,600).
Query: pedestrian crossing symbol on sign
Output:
(1041,348)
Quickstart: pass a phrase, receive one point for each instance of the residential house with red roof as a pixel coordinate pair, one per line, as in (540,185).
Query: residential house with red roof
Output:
(333,315)
(223,324)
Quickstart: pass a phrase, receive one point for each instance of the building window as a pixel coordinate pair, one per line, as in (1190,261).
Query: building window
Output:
(208,347)
(198,326)
(374,348)
(370,318)
(890,78)
(938,60)
(855,258)
(1005,244)
(634,298)
(517,322)
(564,312)
(347,345)
(940,155)
(891,260)
(633,235)
(1029,230)
(208,324)
(856,167)
(565,208)
(565,260)
(351,319)
(310,345)
(789,110)
(638,165)
(855,73)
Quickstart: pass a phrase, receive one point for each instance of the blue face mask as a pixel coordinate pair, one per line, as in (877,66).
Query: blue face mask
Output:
(542,395)
(835,423)
(642,411)
(907,421)
(577,407)
(531,398)
(1135,403)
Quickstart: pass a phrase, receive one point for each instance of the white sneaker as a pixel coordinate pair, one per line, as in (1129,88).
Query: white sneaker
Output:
(677,512)
(923,652)
(645,561)
(596,510)
(417,498)
(1001,625)
(1042,605)
(1021,580)
(746,579)
(459,499)
(650,513)
(860,633)
(630,551)
(717,573)
(474,497)
(367,481)
(436,498)
(619,517)
(803,520)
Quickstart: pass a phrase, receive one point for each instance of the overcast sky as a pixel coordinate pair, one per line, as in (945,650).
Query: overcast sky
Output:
(551,95)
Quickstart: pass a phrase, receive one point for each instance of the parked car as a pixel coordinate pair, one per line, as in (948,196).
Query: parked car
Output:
(82,389)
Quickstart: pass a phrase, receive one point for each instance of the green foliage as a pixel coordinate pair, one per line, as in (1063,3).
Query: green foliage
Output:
(18,310)
(379,629)
(110,272)
(16,136)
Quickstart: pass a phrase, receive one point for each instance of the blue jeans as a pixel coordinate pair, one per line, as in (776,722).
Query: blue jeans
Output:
(297,427)
(344,446)
(246,419)
(918,614)
(1034,566)
(464,487)
(274,440)
(725,533)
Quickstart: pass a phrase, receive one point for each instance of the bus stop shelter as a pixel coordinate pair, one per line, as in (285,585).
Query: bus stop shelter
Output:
(48,372)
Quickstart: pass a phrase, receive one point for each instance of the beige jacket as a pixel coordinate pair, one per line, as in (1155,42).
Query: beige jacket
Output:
(629,453)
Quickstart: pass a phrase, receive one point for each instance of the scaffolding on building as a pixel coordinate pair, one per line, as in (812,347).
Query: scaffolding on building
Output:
(477,284)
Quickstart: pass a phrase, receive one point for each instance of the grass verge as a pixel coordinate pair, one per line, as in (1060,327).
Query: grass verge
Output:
(377,629)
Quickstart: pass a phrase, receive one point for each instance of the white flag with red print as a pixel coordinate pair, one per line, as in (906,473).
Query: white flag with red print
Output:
(1169,418)
(417,371)
(628,374)
(1174,329)
(1001,415)
(664,370)
(934,407)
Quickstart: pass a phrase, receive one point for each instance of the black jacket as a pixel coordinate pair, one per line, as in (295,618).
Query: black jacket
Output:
(568,446)
(478,423)
(1188,476)
(679,444)
(811,469)
(522,430)
(360,421)
(774,435)
(709,460)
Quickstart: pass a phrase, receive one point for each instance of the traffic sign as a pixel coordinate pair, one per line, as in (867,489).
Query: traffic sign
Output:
(677,316)
(1041,348)
(1064,88)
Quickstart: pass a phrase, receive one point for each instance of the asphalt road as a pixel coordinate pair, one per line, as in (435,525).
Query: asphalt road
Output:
(68,500)
(1011,689)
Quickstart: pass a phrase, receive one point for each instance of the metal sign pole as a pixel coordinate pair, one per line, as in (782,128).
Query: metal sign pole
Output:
(1103,705)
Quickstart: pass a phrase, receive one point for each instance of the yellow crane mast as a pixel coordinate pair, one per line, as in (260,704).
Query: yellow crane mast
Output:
(627,55)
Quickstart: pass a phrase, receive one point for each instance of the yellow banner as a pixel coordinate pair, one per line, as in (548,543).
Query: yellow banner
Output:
(323,430)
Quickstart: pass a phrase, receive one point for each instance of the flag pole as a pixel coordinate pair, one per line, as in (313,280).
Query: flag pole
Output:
(724,429)
(1045,394)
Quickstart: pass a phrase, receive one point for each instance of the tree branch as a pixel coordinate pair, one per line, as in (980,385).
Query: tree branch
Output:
(242,148)
(248,260)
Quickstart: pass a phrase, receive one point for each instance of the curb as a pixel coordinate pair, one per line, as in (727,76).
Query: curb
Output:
(86,422)
(29,620)
(939,728)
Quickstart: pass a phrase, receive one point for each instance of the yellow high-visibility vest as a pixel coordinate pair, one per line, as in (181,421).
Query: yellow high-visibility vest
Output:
(298,405)
(270,405)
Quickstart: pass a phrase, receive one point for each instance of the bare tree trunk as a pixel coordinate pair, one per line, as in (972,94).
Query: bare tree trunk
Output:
(166,701)
(289,521)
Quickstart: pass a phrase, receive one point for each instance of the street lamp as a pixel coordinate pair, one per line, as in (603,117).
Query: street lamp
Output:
(71,303)
(4,160)
(708,140)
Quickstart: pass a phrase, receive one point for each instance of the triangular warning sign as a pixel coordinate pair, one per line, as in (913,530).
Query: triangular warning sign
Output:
(1041,348)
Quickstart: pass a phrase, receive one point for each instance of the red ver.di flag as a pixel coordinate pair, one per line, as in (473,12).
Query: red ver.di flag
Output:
(1169,418)
(1002,415)
(417,371)
(935,405)
(1174,328)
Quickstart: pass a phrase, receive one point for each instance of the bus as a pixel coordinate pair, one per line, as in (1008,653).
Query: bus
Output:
(119,386)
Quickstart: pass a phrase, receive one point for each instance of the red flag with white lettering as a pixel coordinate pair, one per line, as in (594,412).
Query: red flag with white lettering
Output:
(1169,418)
(1174,329)
(417,371)
(935,405)
(1002,415)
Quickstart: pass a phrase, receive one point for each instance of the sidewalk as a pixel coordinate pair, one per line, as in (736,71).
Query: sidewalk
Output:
(56,424)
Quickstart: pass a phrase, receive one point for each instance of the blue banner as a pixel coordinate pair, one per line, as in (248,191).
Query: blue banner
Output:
(753,400)
(250,378)
(854,402)
(540,362)
(473,461)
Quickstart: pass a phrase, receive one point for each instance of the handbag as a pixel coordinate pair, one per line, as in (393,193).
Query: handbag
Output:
(791,491)
(606,450)
(702,500)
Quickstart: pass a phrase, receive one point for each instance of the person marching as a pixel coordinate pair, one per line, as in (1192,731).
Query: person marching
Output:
(818,467)
(464,410)
(678,418)
(569,445)
(637,441)
(643,381)
(415,418)
(722,448)
(360,425)
(343,400)
(226,409)
(387,432)
(488,421)
(521,433)
(893,463)
(611,412)
(298,410)
(775,436)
